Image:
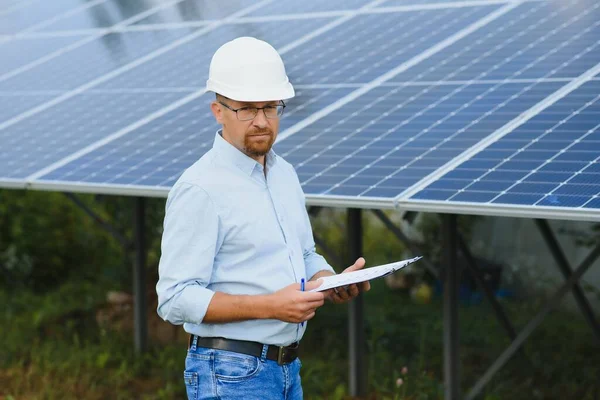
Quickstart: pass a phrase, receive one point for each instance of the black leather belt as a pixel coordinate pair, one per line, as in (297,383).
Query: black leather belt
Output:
(281,354)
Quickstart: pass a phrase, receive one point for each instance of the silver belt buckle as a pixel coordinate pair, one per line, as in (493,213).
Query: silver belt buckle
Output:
(280,350)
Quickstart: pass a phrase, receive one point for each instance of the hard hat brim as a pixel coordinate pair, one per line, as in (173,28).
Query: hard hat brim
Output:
(282,92)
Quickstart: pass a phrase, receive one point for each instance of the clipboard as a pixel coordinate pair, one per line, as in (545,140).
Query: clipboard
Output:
(365,274)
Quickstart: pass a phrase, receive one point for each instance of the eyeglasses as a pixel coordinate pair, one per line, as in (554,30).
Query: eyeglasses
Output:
(249,113)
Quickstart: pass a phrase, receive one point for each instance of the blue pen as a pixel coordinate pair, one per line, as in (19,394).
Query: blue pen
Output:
(302,289)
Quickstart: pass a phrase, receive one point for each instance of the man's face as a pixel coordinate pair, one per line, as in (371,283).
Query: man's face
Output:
(254,137)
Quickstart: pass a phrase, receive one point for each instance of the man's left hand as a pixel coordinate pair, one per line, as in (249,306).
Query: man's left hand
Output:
(345,294)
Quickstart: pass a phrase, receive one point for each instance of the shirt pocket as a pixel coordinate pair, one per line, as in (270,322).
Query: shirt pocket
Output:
(231,366)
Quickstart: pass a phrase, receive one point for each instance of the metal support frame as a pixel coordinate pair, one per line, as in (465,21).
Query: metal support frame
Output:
(127,245)
(356,329)
(139,268)
(407,242)
(139,277)
(534,323)
(451,326)
(471,265)
(452,241)
(566,270)
(498,310)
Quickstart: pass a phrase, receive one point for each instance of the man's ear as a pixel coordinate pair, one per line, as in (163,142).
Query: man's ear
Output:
(217,112)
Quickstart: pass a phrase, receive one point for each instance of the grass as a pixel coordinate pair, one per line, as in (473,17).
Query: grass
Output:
(47,355)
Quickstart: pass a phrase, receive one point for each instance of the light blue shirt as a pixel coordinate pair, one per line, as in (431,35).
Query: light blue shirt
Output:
(228,228)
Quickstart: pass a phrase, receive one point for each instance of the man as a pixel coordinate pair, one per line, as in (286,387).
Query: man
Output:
(237,242)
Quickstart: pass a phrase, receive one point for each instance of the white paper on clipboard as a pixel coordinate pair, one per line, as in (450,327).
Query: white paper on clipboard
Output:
(366,274)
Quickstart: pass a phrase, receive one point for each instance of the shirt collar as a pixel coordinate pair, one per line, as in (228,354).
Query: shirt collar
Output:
(233,155)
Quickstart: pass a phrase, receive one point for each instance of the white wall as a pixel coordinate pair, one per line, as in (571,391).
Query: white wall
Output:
(518,243)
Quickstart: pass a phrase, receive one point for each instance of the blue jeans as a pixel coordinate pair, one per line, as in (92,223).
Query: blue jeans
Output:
(221,374)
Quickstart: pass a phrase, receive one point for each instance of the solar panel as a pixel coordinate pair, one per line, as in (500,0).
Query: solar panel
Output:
(35,143)
(25,15)
(552,160)
(18,103)
(389,97)
(309,6)
(404,3)
(194,10)
(13,55)
(187,65)
(372,44)
(537,39)
(102,15)
(388,139)
(156,153)
(93,59)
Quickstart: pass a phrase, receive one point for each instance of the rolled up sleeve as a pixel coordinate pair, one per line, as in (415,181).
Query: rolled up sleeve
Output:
(315,262)
(189,243)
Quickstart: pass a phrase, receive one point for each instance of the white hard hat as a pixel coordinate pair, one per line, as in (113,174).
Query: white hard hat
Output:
(248,69)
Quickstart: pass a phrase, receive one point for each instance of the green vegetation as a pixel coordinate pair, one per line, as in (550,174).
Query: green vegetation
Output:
(57,266)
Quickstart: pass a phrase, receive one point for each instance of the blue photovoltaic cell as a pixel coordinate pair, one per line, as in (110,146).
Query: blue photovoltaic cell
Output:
(398,3)
(308,6)
(187,65)
(535,40)
(38,141)
(103,15)
(12,54)
(14,104)
(551,160)
(35,12)
(156,153)
(391,137)
(195,10)
(92,60)
(370,45)
(7,4)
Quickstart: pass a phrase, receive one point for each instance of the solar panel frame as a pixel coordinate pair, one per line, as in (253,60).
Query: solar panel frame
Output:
(8,183)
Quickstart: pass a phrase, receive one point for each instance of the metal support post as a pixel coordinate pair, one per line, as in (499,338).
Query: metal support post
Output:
(139,277)
(565,269)
(534,323)
(451,328)
(357,340)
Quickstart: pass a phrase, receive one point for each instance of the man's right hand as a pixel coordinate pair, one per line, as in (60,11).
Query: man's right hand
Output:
(290,304)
